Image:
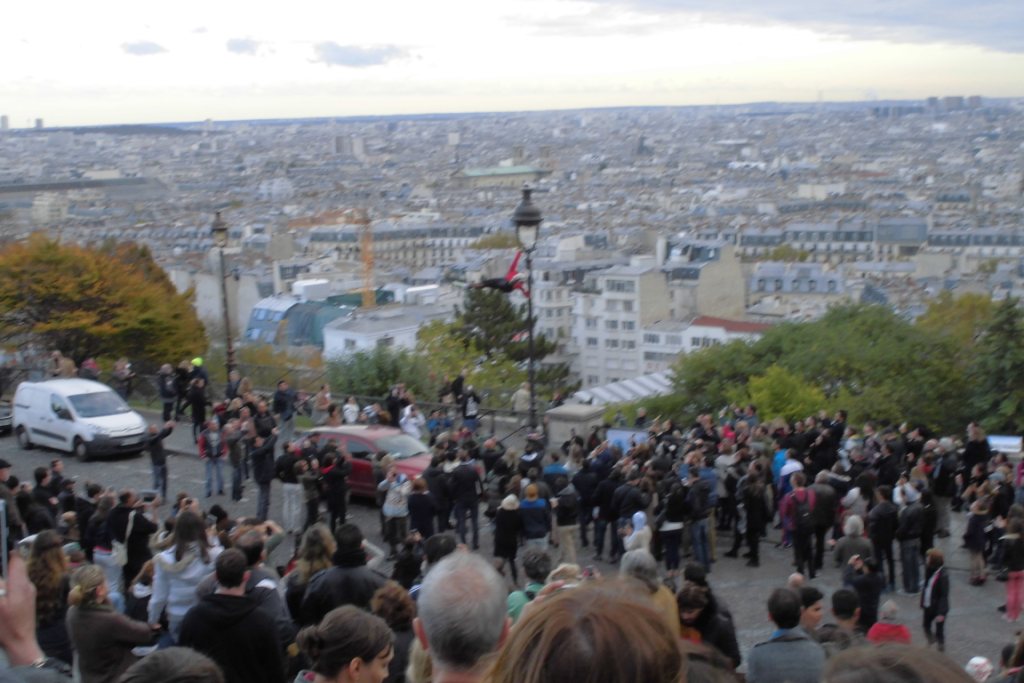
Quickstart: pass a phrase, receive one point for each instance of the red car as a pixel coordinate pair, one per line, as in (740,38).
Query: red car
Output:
(411,456)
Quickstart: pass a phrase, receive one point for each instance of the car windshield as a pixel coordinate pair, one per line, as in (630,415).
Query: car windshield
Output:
(401,446)
(99,404)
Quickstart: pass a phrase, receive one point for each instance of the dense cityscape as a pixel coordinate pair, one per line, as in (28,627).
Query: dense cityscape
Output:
(665,229)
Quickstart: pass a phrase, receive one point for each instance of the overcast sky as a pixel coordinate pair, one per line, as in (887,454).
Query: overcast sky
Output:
(113,61)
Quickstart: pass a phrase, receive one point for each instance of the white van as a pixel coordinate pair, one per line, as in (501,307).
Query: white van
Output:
(79,416)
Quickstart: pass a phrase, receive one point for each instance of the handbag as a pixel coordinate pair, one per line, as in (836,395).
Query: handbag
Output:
(118,550)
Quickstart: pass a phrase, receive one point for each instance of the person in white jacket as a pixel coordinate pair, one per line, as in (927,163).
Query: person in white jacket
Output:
(412,422)
(178,571)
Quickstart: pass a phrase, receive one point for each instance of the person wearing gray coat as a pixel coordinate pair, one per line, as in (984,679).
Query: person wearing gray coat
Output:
(790,655)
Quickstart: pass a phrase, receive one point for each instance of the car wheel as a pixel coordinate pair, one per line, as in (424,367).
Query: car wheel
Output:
(79,449)
(23,440)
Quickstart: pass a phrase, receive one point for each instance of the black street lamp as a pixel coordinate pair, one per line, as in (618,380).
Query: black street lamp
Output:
(527,219)
(219,230)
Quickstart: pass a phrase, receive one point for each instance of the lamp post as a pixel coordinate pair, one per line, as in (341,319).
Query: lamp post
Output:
(527,219)
(219,230)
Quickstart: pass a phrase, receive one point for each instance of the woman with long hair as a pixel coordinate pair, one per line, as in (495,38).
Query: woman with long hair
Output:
(315,552)
(102,637)
(48,571)
(99,545)
(178,571)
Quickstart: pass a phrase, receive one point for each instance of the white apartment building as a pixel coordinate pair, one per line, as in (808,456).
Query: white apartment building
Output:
(609,312)
(387,326)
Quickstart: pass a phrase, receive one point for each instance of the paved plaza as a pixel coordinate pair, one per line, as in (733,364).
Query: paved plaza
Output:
(975,627)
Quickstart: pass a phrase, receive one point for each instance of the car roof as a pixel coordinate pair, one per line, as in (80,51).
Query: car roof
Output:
(365,431)
(70,386)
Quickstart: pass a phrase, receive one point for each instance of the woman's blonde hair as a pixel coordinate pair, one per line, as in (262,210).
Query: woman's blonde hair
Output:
(85,584)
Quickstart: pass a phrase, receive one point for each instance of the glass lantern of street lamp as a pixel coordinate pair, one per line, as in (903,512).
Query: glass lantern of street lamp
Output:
(527,219)
(219,230)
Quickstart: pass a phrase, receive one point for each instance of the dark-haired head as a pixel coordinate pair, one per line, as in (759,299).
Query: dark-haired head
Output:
(784,607)
(347,639)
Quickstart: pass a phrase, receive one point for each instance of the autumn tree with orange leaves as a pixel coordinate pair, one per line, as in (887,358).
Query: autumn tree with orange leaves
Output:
(105,303)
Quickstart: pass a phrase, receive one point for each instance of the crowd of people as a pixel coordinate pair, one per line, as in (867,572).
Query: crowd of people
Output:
(108,581)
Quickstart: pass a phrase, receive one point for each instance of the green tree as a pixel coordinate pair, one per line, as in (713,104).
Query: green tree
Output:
(997,395)
(960,319)
(95,303)
(496,327)
(864,358)
(374,372)
(781,393)
(449,354)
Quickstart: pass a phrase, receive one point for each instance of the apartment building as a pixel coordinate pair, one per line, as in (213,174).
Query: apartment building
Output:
(609,310)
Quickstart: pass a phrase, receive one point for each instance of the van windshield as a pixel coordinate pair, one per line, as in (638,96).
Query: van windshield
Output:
(99,404)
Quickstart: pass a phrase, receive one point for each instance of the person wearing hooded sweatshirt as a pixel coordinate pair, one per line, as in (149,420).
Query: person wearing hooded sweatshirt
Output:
(178,571)
(230,628)
(636,534)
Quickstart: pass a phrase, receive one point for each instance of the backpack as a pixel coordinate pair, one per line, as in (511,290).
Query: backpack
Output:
(804,519)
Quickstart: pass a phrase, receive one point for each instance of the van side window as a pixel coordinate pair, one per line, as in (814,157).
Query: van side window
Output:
(58,406)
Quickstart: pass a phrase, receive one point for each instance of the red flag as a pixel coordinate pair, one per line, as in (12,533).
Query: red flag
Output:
(514,276)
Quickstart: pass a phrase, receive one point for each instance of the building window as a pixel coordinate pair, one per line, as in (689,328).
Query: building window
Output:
(627,344)
(386,341)
(674,340)
(620,285)
(590,323)
(612,305)
(652,339)
(695,342)
(350,344)
(592,342)
(611,324)
(628,325)
(611,343)
(627,306)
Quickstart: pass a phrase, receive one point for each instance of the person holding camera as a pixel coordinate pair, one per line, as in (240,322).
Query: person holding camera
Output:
(396,488)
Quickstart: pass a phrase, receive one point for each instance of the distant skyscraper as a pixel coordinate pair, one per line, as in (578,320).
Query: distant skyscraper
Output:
(39,123)
(5,122)
(974,102)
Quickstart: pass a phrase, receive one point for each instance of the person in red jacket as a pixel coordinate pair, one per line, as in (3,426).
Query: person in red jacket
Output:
(213,450)
(890,629)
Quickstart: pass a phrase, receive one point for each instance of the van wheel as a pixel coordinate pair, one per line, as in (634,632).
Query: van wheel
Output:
(80,451)
(23,439)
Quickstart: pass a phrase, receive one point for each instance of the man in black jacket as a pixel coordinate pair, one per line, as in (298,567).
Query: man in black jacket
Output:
(466,489)
(882,522)
(263,471)
(229,627)
(348,582)
(908,533)
(626,501)
(603,496)
(154,441)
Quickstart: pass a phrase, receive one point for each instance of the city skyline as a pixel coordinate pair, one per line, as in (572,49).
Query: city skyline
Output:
(148,64)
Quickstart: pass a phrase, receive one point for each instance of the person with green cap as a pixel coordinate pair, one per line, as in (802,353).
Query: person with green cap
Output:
(199,371)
